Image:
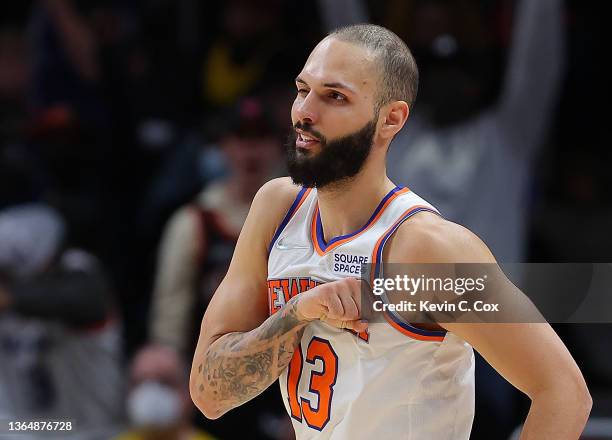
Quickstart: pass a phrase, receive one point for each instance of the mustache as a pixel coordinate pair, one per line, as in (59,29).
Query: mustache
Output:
(308,129)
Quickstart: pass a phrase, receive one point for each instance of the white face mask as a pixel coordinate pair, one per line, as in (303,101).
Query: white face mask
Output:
(152,404)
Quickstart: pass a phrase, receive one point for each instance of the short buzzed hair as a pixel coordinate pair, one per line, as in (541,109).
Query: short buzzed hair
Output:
(400,75)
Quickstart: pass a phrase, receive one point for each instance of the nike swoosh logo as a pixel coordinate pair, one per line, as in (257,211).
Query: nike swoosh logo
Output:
(283,246)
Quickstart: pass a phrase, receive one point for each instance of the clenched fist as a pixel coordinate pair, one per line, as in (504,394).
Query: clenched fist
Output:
(337,303)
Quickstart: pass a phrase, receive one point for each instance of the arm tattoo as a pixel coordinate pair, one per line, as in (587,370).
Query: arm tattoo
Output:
(239,366)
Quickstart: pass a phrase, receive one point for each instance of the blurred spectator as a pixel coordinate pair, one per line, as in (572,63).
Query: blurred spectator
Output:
(248,52)
(70,121)
(472,159)
(20,179)
(14,80)
(59,337)
(199,240)
(338,13)
(66,63)
(198,244)
(158,402)
(476,163)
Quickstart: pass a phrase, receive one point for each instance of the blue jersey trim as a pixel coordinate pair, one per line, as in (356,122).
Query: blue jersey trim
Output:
(319,226)
(407,326)
(287,217)
(378,270)
(379,253)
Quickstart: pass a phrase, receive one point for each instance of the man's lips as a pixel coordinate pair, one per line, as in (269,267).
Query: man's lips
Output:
(305,140)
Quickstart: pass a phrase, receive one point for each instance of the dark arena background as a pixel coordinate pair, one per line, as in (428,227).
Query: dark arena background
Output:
(134,134)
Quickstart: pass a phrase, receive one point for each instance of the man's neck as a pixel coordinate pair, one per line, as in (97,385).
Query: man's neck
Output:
(347,206)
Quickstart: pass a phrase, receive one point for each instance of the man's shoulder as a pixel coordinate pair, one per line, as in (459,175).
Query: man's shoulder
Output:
(275,197)
(281,191)
(272,202)
(429,238)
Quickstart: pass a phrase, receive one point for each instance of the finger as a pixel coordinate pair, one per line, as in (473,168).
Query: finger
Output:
(351,311)
(338,323)
(357,325)
(335,309)
(355,290)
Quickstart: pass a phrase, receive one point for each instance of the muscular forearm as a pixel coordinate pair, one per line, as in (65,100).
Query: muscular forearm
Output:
(239,366)
(557,414)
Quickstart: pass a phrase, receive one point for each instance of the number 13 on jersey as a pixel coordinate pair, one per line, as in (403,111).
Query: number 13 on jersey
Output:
(321,383)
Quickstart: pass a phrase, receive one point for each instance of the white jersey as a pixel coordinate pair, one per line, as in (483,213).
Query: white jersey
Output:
(393,381)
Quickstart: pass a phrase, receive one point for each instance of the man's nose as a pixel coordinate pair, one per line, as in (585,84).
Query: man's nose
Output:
(306,110)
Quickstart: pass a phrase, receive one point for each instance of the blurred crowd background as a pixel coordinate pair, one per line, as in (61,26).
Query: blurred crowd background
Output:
(134,134)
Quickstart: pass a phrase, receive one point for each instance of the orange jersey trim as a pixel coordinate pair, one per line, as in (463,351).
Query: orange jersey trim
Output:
(316,231)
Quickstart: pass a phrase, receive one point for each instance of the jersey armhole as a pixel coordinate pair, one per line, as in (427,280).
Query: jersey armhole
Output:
(377,271)
(299,200)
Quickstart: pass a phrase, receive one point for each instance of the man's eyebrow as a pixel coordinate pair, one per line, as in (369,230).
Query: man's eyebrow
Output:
(333,85)
(338,85)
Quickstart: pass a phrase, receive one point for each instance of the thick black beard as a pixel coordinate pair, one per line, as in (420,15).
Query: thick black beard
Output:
(338,160)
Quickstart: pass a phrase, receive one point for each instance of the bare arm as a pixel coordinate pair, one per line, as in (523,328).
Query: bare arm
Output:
(529,355)
(533,74)
(240,353)
(533,359)
(75,36)
(238,366)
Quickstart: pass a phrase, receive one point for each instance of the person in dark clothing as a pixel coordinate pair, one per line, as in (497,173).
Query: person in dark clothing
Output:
(59,334)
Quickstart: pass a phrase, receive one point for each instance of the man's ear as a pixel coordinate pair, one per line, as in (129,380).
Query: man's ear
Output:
(396,114)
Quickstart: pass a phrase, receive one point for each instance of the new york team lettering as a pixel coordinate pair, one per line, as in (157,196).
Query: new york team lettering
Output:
(281,290)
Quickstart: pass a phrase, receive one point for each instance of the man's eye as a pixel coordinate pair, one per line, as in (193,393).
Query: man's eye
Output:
(337,96)
(302,91)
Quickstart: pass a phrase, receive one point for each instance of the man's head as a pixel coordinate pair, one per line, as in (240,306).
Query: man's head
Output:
(354,95)
(398,75)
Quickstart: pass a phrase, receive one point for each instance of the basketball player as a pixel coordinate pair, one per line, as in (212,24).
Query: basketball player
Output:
(383,380)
